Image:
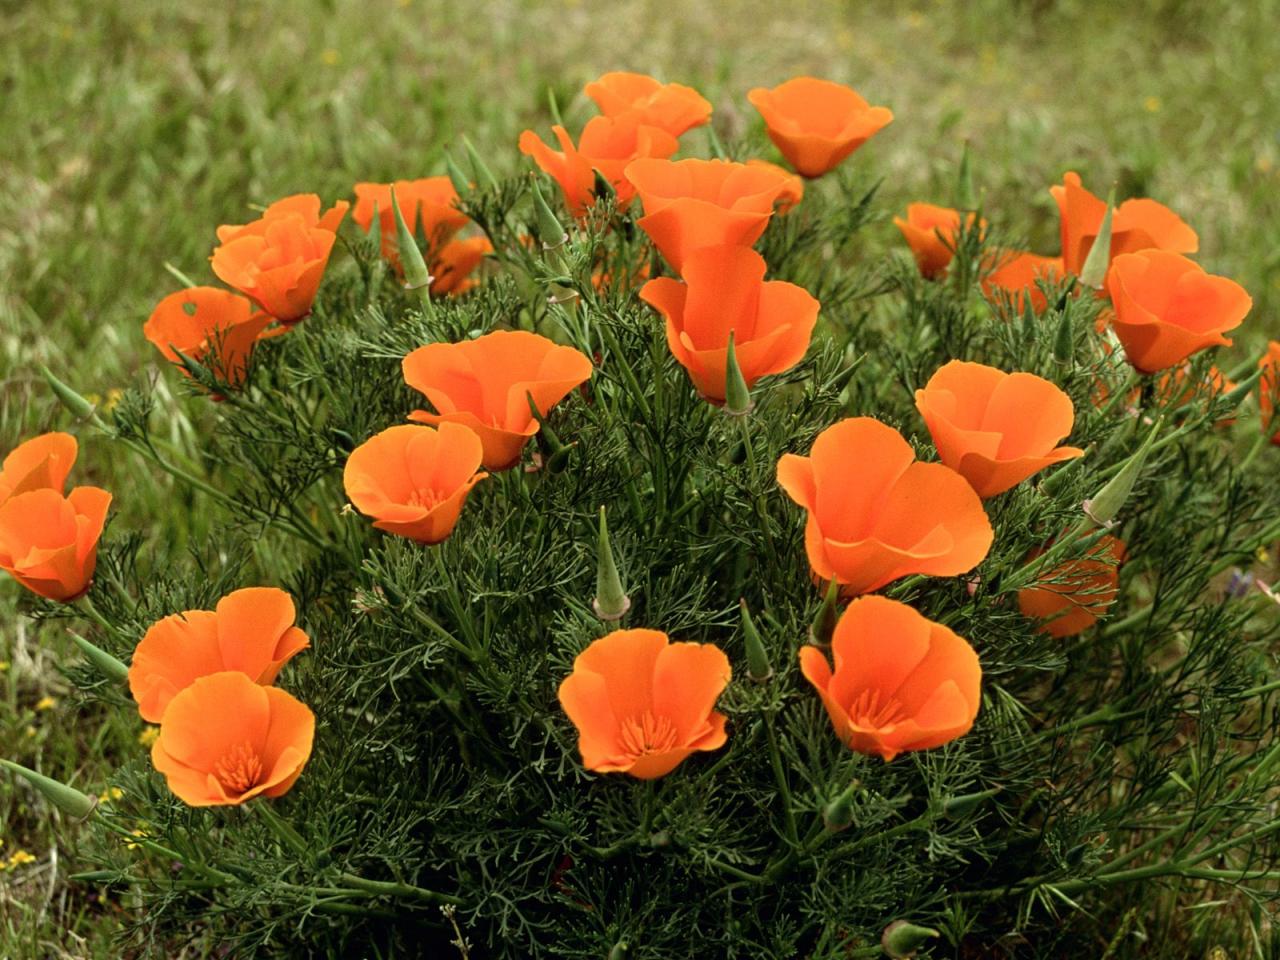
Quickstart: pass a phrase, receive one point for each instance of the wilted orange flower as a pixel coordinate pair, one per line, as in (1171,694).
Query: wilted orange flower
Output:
(607,145)
(1167,308)
(724,290)
(429,207)
(452,268)
(930,232)
(279,268)
(877,514)
(817,123)
(49,543)
(1138,224)
(1269,389)
(901,681)
(993,428)
(41,463)
(251,631)
(792,190)
(414,480)
(1071,598)
(672,107)
(690,204)
(643,704)
(1019,274)
(485,384)
(225,740)
(208,324)
(305,205)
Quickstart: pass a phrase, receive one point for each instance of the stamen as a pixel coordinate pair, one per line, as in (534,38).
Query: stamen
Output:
(647,734)
(239,769)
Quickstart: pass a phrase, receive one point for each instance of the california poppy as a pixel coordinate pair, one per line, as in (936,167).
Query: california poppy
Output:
(1138,224)
(41,463)
(1269,390)
(280,268)
(690,204)
(429,207)
(49,543)
(724,291)
(930,232)
(251,630)
(792,189)
(642,704)
(1071,598)
(1020,275)
(452,268)
(607,146)
(672,107)
(1167,308)
(901,682)
(993,428)
(485,384)
(817,123)
(877,514)
(305,205)
(414,480)
(208,324)
(225,739)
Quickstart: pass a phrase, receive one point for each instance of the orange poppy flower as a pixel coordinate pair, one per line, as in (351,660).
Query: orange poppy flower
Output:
(690,204)
(452,267)
(251,631)
(642,704)
(1167,308)
(1269,390)
(414,480)
(1019,274)
(1138,224)
(41,463)
(672,107)
(208,324)
(607,146)
(305,205)
(225,740)
(724,290)
(280,269)
(792,189)
(429,207)
(877,514)
(1071,598)
(49,543)
(485,384)
(901,682)
(993,428)
(930,232)
(817,123)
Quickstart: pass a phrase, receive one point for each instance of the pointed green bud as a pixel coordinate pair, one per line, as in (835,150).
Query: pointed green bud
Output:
(484,176)
(554,107)
(461,185)
(550,232)
(824,624)
(106,664)
(67,799)
(737,396)
(374,233)
(966,197)
(1064,340)
(957,808)
(611,601)
(80,408)
(1235,396)
(838,814)
(197,370)
(1094,271)
(758,667)
(619,951)
(1102,509)
(902,940)
(416,276)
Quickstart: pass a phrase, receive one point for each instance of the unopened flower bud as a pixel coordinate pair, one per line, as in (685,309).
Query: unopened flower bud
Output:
(80,408)
(1094,271)
(461,185)
(824,624)
(1064,342)
(966,197)
(416,275)
(901,940)
(838,814)
(106,664)
(737,396)
(67,799)
(550,231)
(758,667)
(1104,507)
(484,176)
(611,601)
(957,808)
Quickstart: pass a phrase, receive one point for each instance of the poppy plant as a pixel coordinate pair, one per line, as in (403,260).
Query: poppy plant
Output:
(723,292)
(250,630)
(1020,274)
(672,107)
(41,463)
(817,123)
(305,205)
(429,207)
(643,704)
(208,324)
(1069,599)
(280,268)
(485,384)
(930,232)
(49,543)
(993,428)
(877,514)
(414,480)
(225,739)
(901,682)
(1167,308)
(1269,390)
(691,204)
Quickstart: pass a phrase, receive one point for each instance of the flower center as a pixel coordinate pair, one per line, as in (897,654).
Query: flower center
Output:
(647,734)
(427,499)
(868,712)
(239,769)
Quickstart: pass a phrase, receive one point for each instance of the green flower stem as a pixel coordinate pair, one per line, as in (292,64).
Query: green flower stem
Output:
(465,622)
(386,888)
(282,829)
(780,775)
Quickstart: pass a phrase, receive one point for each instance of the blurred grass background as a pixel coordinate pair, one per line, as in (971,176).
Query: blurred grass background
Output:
(133,127)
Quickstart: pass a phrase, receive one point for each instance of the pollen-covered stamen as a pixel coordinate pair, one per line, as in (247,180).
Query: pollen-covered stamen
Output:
(868,712)
(427,499)
(647,734)
(239,769)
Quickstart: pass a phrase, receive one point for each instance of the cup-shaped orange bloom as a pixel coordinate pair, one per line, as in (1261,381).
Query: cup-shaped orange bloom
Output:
(607,146)
(305,205)
(225,740)
(452,267)
(49,543)
(724,290)
(993,428)
(279,269)
(251,630)
(1138,224)
(930,232)
(1020,274)
(877,514)
(414,480)
(1269,390)
(41,463)
(672,107)
(691,204)
(429,206)
(817,123)
(208,324)
(1071,598)
(901,682)
(792,190)
(1167,308)
(642,704)
(485,384)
